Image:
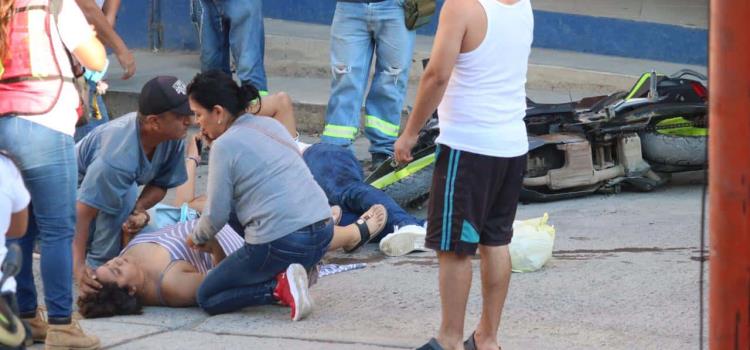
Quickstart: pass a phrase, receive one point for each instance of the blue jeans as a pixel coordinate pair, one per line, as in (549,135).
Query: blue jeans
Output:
(83,130)
(48,165)
(340,176)
(247,277)
(358,31)
(235,25)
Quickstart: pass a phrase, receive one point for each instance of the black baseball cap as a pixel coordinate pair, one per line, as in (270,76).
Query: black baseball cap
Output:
(164,94)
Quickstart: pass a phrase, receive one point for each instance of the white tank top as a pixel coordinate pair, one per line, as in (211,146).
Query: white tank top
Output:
(484,104)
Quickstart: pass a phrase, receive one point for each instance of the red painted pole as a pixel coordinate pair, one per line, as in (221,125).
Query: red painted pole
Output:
(729,175)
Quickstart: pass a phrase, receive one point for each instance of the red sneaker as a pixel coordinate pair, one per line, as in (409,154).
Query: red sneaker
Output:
(292,290)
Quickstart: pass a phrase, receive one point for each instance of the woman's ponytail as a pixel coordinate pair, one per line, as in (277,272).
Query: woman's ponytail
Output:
(249,96)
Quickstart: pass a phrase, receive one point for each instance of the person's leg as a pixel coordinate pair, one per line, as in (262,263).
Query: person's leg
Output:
(349,237)
(279,106)
(334,168)
(105,235)
(351,56)
(495,272)
(493,248)
(455,283)
(246,277)
(394,47)
(247,40)
(47,163)
(213,39)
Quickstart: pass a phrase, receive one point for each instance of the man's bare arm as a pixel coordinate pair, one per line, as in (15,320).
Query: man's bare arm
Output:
(107,34)
(445,50)
(110,9)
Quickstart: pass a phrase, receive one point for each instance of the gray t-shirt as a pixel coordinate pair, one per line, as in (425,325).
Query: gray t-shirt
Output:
(256,169)
(111,160)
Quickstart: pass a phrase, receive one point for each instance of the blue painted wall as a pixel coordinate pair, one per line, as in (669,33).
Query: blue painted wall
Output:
(141,21)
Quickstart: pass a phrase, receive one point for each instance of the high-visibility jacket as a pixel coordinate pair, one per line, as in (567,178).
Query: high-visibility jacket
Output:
(31,79)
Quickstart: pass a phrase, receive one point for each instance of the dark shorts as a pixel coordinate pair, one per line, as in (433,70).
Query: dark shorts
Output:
(473,200)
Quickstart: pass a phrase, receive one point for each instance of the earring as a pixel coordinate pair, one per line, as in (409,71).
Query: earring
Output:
(219,121)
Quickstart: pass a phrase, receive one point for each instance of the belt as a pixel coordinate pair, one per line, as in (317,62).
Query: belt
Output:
(361,1)
(315,226)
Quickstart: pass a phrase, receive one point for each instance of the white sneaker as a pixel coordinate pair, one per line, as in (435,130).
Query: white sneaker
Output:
(404,240)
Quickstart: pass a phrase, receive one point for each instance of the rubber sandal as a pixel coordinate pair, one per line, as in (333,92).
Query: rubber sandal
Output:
(364,235)
(431,345)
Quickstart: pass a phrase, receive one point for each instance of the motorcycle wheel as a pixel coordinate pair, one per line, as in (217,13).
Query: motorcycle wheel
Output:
(674,150)
(12,339)
(407,191)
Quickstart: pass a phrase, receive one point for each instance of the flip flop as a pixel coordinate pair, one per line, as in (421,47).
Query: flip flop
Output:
(431,345)
(365,236)
(471,344)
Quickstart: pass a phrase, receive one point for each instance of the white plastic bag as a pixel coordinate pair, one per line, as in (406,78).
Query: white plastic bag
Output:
(532,244)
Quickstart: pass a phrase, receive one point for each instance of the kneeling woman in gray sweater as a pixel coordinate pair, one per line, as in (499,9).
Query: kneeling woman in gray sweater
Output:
(255,170)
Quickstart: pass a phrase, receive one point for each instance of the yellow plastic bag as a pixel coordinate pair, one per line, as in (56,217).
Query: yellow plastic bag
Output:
(532,244)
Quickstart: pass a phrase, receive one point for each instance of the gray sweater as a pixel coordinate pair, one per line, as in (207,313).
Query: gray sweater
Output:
(255,168)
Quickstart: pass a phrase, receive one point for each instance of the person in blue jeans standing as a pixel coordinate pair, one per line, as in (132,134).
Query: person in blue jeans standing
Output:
(234,26)
(360,30)
(37,121)
(256,171)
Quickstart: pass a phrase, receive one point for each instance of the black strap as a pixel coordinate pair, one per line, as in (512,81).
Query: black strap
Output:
(23,78)
(364,234)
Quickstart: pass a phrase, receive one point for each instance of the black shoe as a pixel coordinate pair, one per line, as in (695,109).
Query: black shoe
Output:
(431,345)
(378,159)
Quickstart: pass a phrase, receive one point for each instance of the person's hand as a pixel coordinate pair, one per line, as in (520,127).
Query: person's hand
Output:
(87,283)
(136,221)
(402,148)
(127,62)
(203,247)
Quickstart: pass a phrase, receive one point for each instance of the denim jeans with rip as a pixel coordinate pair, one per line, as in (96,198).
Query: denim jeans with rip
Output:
(360,31)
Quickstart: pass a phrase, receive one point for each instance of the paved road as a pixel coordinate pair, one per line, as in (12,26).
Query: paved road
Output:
(624,275)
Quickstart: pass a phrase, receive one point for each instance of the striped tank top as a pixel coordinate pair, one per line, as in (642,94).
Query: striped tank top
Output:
(172,238)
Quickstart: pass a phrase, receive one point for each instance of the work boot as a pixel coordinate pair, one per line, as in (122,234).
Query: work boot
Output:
(38,326)
(69,336)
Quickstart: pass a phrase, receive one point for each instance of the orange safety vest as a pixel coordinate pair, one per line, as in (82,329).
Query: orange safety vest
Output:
(32,80)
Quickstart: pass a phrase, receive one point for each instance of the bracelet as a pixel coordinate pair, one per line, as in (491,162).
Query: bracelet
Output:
(195,159)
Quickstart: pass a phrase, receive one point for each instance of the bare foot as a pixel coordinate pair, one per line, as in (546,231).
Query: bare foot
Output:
(375,219)
(336,214)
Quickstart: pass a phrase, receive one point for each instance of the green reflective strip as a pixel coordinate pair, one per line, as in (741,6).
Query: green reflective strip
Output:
(407,171)
(639,84)
(683,131)
(339,131)
(382,126)
(262,93)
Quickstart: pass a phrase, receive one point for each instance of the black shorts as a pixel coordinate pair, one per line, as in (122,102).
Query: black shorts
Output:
(473,200)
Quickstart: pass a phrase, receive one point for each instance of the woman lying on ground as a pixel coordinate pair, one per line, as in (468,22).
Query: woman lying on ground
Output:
(157,268)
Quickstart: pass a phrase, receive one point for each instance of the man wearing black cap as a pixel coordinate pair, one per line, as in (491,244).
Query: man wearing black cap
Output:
(143,148)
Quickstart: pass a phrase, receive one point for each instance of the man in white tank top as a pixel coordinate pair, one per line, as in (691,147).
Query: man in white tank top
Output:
(476,79)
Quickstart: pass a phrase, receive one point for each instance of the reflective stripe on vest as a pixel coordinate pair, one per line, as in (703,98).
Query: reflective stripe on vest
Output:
(31,81)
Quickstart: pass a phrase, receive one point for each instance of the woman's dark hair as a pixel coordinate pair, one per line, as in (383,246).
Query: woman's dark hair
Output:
(216,88)
(6,12)
(110,300)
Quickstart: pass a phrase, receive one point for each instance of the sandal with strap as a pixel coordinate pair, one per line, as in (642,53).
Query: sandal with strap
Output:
(365,236)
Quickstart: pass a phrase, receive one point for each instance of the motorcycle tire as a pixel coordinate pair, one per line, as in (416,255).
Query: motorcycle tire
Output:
(410,190)
(12,338)
(674,150)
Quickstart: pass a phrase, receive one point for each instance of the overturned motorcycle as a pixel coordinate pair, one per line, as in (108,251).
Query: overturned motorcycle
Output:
(630,139)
